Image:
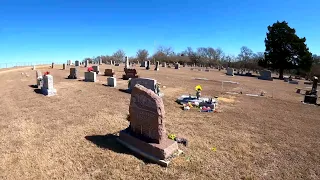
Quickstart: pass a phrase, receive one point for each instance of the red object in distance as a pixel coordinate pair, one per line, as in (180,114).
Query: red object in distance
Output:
(90,69)
(46,73)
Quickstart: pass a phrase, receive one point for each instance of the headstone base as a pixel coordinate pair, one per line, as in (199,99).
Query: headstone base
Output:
(160,153)
(49,92)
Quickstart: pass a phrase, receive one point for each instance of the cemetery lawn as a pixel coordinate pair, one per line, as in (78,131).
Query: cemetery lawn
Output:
(73,135)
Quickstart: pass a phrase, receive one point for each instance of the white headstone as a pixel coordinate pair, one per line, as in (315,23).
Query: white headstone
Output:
(127,65)
(47,87)
(112,81)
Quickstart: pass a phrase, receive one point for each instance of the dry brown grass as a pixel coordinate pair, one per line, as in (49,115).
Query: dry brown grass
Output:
(63,137)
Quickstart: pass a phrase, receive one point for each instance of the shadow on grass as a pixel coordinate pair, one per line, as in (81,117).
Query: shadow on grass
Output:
(33,86)
(125,91)
(38,91)
(110,142)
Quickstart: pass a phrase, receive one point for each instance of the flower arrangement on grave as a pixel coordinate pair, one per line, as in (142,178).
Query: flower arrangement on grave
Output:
(46,73)
(90,69)
(198,91)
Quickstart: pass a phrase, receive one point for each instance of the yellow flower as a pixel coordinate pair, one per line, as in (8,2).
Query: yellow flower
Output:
(198,88)
(214,149)
(172,136)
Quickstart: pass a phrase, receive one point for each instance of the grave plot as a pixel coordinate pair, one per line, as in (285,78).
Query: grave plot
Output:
(205,104)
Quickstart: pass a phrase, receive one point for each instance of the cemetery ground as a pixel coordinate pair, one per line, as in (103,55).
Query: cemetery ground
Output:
(73,135)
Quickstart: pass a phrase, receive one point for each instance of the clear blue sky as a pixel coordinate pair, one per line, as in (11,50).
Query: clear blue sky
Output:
(57,30)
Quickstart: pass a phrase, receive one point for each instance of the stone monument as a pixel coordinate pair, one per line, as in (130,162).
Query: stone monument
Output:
(112,81)
(96,69)
(230,71)
(63,66)
(311,97)
(109,72)
(146,134)
(39,78)
(129,73)
(177,66)
(157,66)
(127,65)
(47,87)
(86,63)
(76,63)
(265,75)
(148,65)
(73,73)
(164,64)
(90,76)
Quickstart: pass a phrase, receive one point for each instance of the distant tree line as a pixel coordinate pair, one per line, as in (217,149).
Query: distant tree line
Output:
(285,52)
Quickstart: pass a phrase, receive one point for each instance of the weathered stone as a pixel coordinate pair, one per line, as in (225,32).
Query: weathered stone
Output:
(63,66)
(100,61)
(109,72)
(96,69)
(86,63)
(148,65)
(147,131)
(177,66)
(52,65)
(230,71)
(265,75)
(76,63)
(39,78)
(73,73)
(127,65)
(112,81)
(90,76)
(147,114)
(157,66)
(143,64)
(47,87)
(146,82)
(130,73)
(164,64)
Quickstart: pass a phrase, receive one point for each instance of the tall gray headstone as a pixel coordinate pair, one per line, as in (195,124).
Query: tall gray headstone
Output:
(76,63)
(39,78)
(63,66)
(148,65)
(90,76)
(96,69)
(164,64)
(157,66)
(177,66)
(230,71)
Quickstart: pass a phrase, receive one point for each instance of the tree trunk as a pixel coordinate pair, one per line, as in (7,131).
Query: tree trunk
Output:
(281,73)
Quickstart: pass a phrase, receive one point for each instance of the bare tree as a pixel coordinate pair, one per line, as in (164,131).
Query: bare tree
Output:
(142,54)
(119,55)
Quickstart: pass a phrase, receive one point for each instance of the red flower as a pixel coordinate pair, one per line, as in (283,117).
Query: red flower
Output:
(46,73)
(90,69)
